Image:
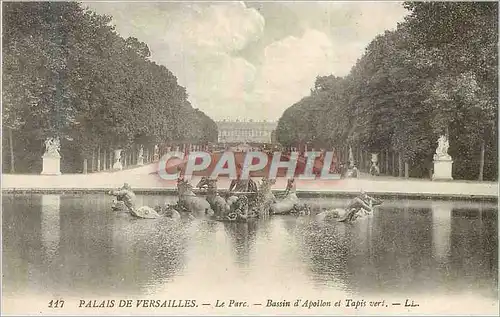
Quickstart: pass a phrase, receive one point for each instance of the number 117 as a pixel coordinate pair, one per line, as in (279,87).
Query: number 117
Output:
(56,304)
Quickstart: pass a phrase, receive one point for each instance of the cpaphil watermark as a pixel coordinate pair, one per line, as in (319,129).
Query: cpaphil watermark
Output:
(308,165)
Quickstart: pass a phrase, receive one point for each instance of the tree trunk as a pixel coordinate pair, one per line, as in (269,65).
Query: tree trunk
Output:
(132,155)
(98,158)
(361,161)
(358,160)
(387,162)
(111,159)
(393,167)
(407,170)
(400,164)
(125,159)
(105,159)
(381,163)
(92,165)
(11,146)
(85,166)
(481,161)
(367,162)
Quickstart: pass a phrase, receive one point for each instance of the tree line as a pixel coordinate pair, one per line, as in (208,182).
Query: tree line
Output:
(436,74)
(68,74)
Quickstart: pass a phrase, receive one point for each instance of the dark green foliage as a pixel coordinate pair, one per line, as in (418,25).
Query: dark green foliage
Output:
(436,74)
(68,74)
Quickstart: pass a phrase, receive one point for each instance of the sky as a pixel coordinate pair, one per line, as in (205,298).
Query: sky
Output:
(252,60)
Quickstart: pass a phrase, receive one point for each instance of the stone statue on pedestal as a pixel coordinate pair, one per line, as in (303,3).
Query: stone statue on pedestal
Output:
(374,169)
(52,147)
(442,149)
(140,158)
(443,162)
(118,164)
(351,158)
(52,158)
(156,154)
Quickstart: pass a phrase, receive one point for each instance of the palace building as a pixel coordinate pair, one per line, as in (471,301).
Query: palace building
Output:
(246,131)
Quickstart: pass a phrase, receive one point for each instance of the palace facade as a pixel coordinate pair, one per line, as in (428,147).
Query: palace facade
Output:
(246,131)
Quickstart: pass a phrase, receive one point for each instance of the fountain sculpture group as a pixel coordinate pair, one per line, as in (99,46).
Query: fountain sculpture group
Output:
(236,206)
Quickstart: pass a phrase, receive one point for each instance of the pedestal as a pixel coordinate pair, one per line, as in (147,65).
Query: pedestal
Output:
(442,169)
(118,164)
(140,161)
(51,165)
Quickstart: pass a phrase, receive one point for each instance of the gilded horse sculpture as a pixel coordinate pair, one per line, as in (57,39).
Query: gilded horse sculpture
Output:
(290,203)
(217,203)
(189,202)
(264,198)
(285,205)
(233,210)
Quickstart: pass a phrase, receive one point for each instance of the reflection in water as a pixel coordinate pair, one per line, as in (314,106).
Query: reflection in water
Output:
(147,252)
(325,246)
(51,205)
(242,236)
(74,244)
(441,230)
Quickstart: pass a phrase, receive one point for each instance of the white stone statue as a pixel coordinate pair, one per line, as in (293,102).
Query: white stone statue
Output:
(118,156)
(51,158)
(140,158)
(52,147)
(156,153)
(374,169)
(443,163)
(351,158)
(442,149)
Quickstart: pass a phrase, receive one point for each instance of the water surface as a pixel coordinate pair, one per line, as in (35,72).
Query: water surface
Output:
(74,245)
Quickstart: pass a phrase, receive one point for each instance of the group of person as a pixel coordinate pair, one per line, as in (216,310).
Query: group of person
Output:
(348,170)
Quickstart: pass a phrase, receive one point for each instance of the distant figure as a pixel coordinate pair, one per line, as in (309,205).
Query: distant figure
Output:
(343,170)
(374,170)
(355,172)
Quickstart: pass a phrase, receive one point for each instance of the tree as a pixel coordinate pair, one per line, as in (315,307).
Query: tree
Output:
(436,73)
(463,42)
(68,74)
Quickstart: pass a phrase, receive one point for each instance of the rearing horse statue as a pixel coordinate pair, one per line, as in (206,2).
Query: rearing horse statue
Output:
(218,204)
(243,185)
(190,202)
(264,198)
(287,203)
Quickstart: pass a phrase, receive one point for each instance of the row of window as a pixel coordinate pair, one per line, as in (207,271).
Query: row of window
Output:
(246,132)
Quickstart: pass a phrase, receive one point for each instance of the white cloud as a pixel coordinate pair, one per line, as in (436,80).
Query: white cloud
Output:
(219,27)
(289,70)
(199,43)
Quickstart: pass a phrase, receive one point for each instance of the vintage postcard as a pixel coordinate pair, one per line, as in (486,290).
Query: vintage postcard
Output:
(249,158)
